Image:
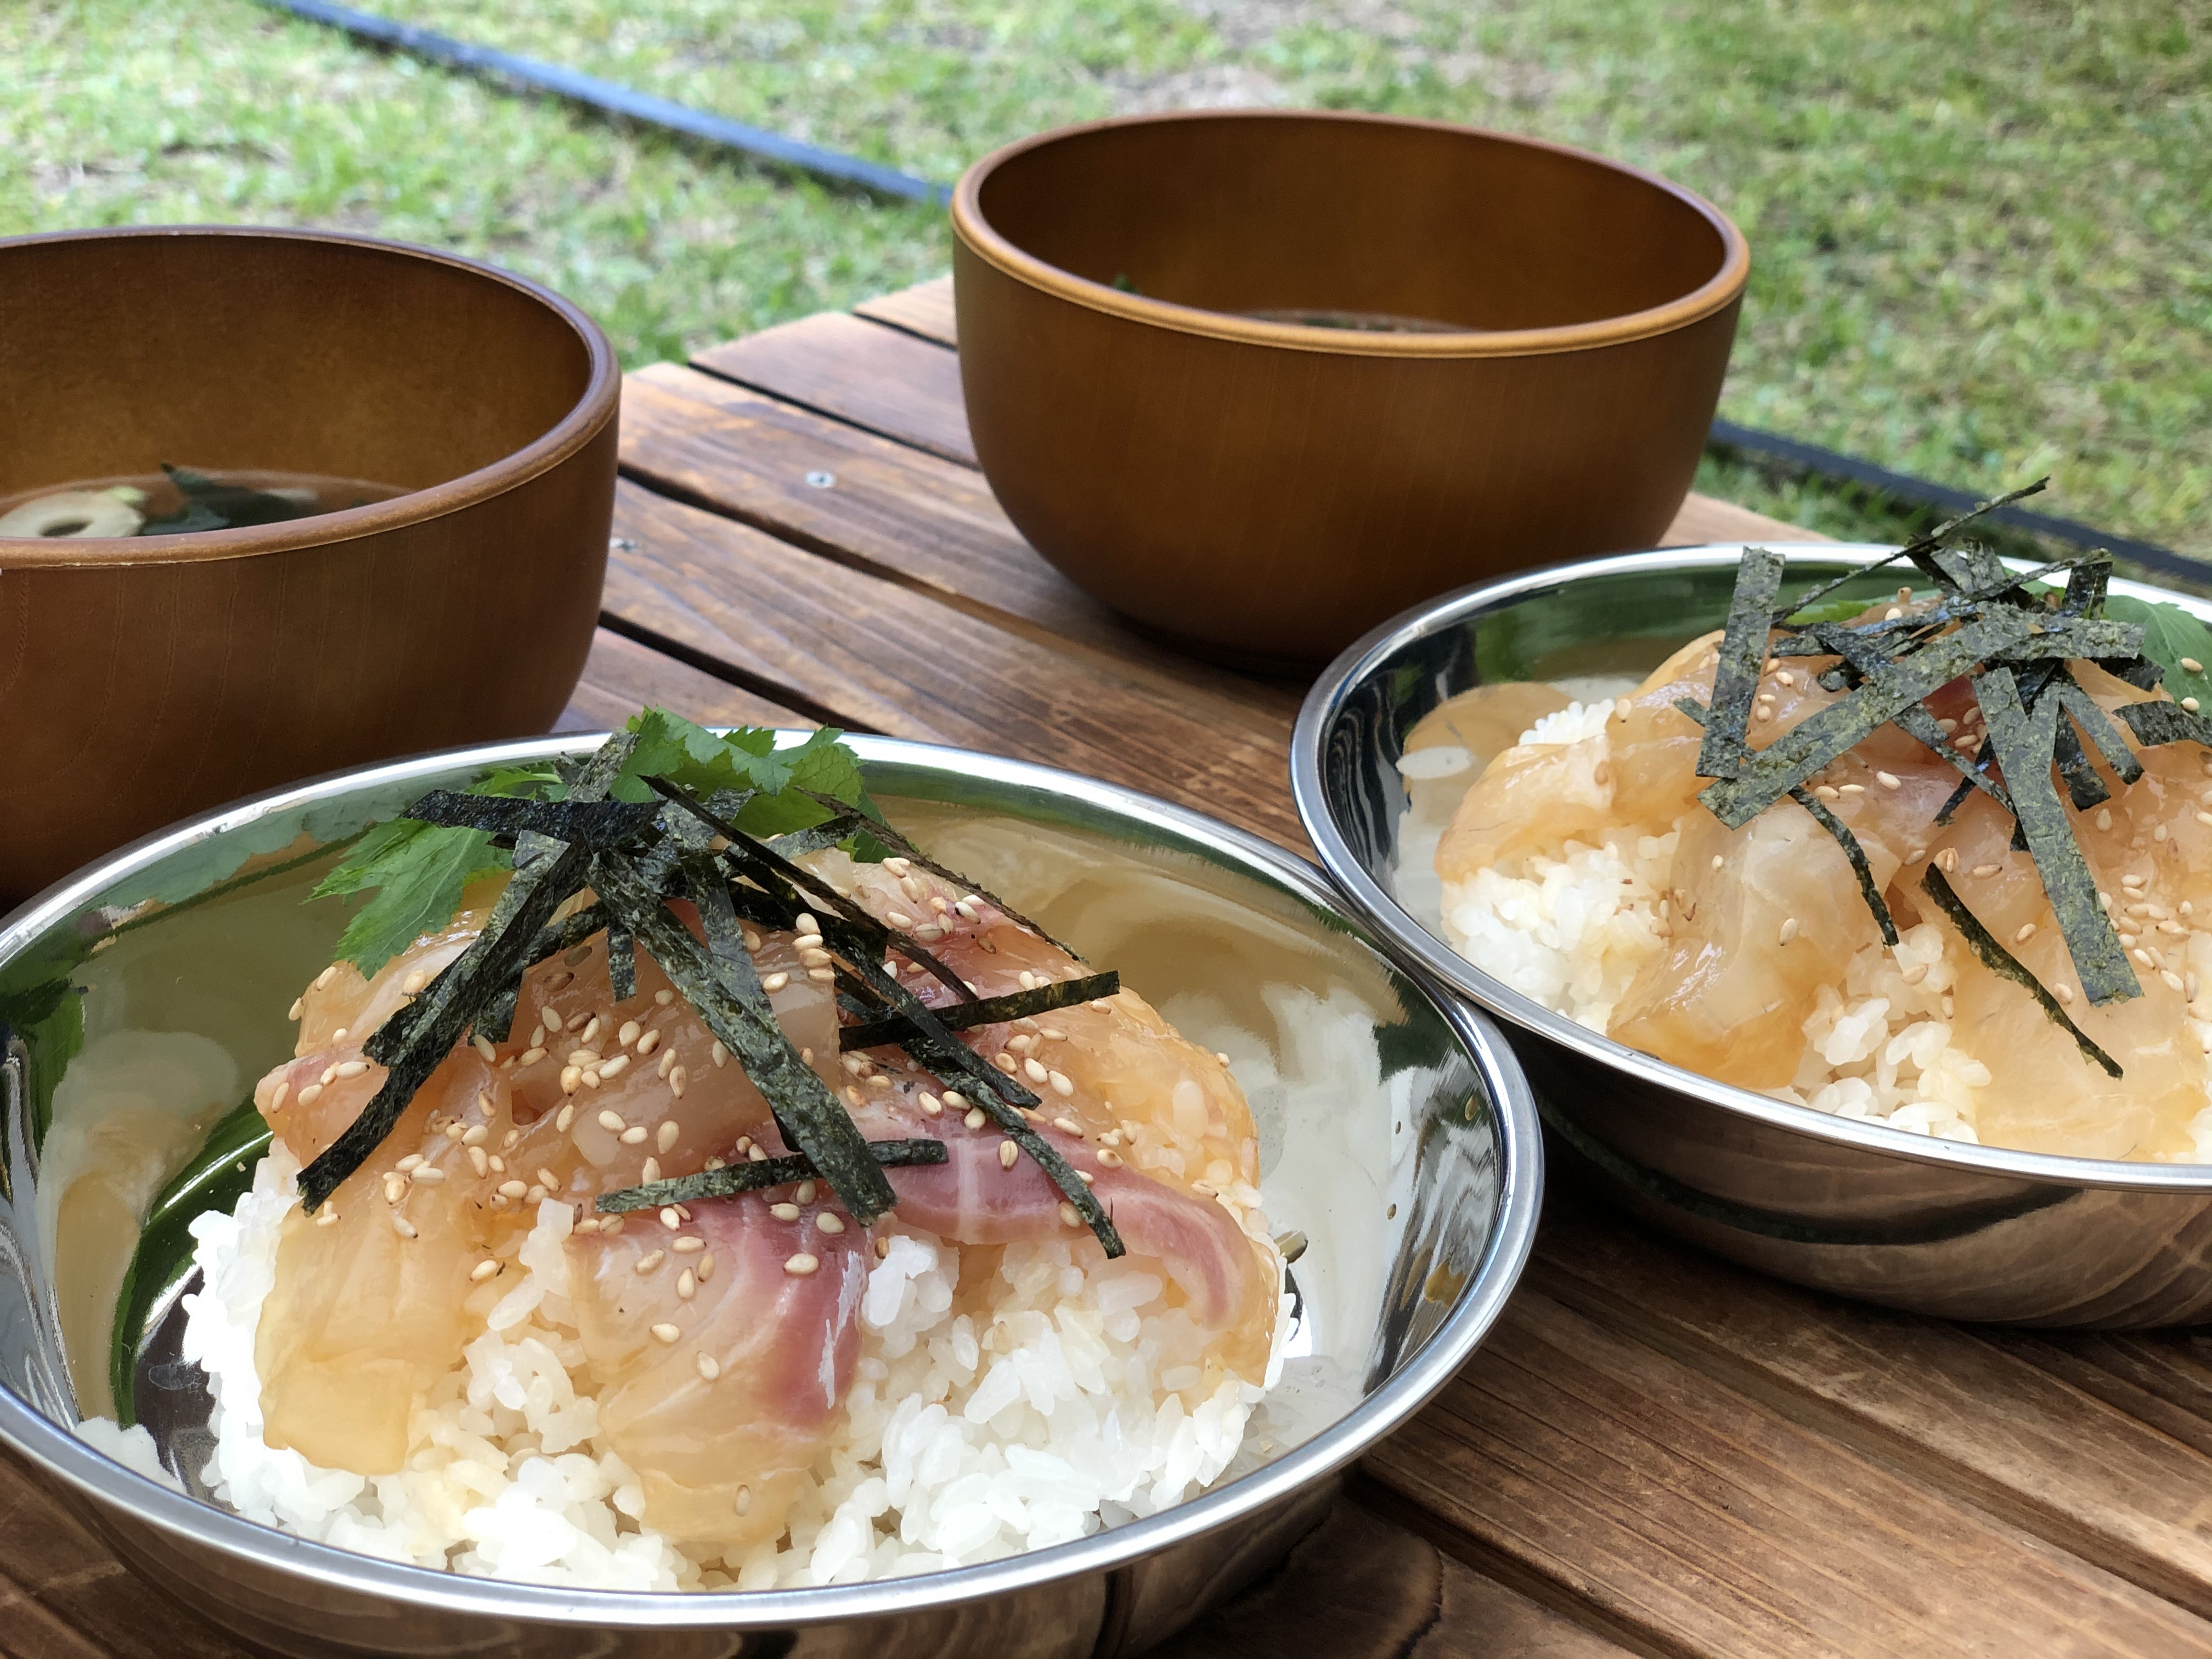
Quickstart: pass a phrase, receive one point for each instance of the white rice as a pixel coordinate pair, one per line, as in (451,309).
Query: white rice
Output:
(986,1418)
(1571,932)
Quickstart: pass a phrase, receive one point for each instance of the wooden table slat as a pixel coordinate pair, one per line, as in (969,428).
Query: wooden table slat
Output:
(1955,1408)
(882,658)
(879,379)
(622,676)
(925,309)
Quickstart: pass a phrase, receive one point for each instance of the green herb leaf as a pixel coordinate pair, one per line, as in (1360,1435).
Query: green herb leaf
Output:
(419,872)
(1831,611)
(2169,634)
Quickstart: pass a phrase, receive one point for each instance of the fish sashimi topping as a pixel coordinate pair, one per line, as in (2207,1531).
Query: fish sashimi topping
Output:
(745,1059)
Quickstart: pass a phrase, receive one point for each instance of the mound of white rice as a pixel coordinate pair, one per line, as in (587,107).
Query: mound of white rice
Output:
(1572,931)
(986,1418)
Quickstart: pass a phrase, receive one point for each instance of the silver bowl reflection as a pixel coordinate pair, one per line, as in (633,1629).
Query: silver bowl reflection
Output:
(1396,1134)
(1935,1226)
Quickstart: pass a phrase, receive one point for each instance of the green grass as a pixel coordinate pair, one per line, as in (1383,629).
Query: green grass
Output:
(1982,232)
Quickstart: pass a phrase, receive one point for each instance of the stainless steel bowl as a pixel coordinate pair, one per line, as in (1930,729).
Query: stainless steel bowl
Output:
(1406,1148)
(1968,1232)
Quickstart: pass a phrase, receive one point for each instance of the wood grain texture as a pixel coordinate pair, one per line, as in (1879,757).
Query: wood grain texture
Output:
(622,676)
(880,379)
(1698,1515)
(895,512)
(925,309)
(871,653)
(1956,1409)
(1363,1587)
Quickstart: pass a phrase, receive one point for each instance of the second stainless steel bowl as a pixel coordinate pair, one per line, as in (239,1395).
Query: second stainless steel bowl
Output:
(1965,1231)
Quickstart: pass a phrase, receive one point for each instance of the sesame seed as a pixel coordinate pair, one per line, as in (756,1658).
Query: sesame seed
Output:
(974,1119)
(2027,933)
(1070,1214)
(664,997)
(1718,860)
(827,1223)
(806,1193)
(687,1285)
(1110,1157)
(2173,979)
(1889,780)
(1762,712)
(1068,1125)
(2143,958)
(1033,1070)
(785,1210)
(1789,929)
(611,1122)
(309,1095)
(756,1154)
(514,1189)
(801,1265)
(614,1068)
(330,1076)
(572,1079)
(483,1047)
(299,1007)
(669,1219)
(1916,973)
(668,1059)
(666,1136)
(479,1161)
(1062,1083)
(395,1186)
(2134,881)
(745,1500)
(1825,791)
(592,1028)
(1007,1153)
(277,1100)
(410,1163)
(1852,789)
(1947,861)
(666,1333)
(647,1043)
(402,1225)
(351,1067)
(484,1270)
(721,1055)
(325,976)
(931,1105)
(709,1368)
(650,1260)
(776,983)
(677,1078)
(430,1176)
(2063,991)
(898,919)
(634,1135)
(563,1118)
(804,923)
(1986,869)
(329,1217)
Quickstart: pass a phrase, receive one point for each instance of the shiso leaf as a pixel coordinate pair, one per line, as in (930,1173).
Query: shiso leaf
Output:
(988,1011)
(2001,961)
(1767,774)
(420,871)
(733,1179)
(2169,634)
(1742,651)
(2024,740)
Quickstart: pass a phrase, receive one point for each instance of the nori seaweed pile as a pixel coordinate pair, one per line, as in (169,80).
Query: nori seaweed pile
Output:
(636,857)
(2015,642)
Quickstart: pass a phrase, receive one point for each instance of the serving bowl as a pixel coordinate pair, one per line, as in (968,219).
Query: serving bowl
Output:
(1932,1226)
(143,678)
(1397,1134)
(1261,378)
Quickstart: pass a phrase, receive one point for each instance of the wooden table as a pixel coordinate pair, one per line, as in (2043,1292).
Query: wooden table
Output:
(1654,1453)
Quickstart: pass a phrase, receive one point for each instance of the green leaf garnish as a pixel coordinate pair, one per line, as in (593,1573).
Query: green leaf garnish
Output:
(419,872)
(2172,637)
(1831,611)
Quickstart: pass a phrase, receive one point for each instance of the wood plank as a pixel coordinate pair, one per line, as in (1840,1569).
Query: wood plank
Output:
(1362,1587)
(871,653)
(879,379)
(1707,518)
(1716,1525)
(2163,1377)
(897,513)
(71,1597)
(622,675)
(925,309)
(1951,1408)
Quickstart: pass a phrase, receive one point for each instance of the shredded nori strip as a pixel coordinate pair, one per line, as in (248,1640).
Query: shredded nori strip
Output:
(621,962)
(733,1179)
(1915,550)
(1868,889)
(1768,773)
(2085,786)
(2097,725)
(811,1117)
(999,1096)
(591,824)
(1918,724)
(822,837)
(2002,962)
(906,849)
(2159,722)
(990,1011)
(2024,741)
(1742,653)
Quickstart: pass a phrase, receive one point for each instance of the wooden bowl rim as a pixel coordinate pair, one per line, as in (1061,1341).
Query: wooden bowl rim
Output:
(1717,292)
(583,422)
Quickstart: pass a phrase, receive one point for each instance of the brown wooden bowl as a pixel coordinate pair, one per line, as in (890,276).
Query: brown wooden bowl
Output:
(1157,413)
(141,679)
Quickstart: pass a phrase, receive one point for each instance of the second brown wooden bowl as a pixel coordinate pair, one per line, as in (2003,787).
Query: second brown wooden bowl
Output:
(145,678)
(1260,379)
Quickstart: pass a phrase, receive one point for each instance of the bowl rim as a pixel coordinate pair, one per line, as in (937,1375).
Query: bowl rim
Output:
(50,1446)
(1722,288)
(577,427)
(1381,911)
